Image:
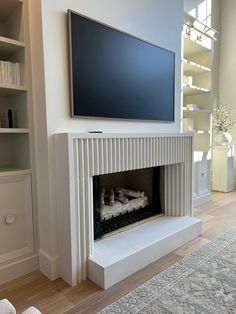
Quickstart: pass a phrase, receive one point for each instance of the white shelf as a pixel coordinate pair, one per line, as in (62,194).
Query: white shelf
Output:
(6,90)
(196,132)
(12,171)
(193,90)
(13,130)
(9,46)
(202,132)
(197,110)
(192,68)
(193,47)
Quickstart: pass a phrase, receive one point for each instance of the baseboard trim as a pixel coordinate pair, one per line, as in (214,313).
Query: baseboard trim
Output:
(18,268)
(201,199)
(48,265)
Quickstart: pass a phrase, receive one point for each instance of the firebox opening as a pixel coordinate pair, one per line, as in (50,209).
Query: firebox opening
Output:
(124,198)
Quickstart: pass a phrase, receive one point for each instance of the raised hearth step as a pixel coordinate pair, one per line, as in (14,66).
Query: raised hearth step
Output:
(121,255)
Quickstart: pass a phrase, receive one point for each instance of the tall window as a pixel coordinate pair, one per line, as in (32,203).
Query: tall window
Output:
(202,12)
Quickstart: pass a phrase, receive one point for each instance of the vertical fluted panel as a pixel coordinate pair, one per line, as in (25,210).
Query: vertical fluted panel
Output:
(77,204)
(105,152)
(110,155)
(82,212)
(95,156)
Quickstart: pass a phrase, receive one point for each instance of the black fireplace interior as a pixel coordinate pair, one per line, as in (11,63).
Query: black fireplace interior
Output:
(123,198)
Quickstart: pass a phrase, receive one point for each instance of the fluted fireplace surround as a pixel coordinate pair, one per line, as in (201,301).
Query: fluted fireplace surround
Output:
(107,261)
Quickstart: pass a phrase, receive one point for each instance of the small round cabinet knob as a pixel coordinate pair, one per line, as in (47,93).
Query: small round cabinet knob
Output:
(10,219)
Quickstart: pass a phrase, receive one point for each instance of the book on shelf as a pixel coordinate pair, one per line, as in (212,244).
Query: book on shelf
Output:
(10,73)
(7,119)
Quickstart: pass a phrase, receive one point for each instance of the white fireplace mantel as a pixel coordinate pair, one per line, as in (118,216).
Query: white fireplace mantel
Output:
(83,155)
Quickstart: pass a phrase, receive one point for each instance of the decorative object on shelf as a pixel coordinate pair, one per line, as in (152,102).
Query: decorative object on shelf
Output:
(192,107)
(188,125)
(188,31)
(222,138)
(188,80)
(10,118)
(6,119)
(2,120)
(10,73)
(222,121)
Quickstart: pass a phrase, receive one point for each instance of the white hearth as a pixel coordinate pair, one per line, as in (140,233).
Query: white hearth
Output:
(117,257)
(79,158)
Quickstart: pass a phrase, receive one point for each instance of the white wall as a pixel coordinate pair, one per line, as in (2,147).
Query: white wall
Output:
(156,21)
(227,90)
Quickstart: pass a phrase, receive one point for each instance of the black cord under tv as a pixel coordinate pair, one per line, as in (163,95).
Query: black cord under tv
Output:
(116,75)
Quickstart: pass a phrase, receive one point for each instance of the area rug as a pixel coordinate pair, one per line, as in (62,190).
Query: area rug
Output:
(203,282)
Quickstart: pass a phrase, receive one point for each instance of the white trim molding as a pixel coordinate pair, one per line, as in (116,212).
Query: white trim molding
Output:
(49,266)
(19,267)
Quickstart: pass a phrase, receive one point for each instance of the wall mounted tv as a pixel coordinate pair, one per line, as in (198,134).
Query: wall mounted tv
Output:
(116,75)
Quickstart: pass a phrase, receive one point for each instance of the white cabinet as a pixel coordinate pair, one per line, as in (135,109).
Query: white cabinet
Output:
(223,168)
(198,101)
(16,221)
(202,183)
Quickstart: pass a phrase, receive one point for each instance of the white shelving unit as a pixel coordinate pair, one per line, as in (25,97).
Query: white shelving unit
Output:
(198,100)
(17,239)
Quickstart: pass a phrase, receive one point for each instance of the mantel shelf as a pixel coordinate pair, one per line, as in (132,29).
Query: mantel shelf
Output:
(193,68)
(9,46)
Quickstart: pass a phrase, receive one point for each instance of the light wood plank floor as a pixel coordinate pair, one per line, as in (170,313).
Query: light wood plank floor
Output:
(57,297)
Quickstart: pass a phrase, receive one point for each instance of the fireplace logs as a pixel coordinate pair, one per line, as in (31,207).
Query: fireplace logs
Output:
(125,201)
(125,198)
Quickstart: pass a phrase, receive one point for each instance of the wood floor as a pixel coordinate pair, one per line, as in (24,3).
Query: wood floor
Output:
(57,297)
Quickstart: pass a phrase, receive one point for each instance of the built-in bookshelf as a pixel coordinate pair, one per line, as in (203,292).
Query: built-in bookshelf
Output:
(16,141)
(14,131)
(198,98)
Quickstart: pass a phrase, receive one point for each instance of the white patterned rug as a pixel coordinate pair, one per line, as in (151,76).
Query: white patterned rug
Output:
(203,282)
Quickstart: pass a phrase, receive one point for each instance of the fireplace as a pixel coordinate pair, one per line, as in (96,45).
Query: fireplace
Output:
(124,198)
(84,161)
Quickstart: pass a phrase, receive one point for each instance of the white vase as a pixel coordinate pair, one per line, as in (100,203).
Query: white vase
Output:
(222,138)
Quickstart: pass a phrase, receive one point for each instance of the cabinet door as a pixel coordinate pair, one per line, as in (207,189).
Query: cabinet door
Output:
(16,221)
(204,175)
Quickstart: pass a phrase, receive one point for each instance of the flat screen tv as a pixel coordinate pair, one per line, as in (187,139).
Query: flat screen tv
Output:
(116,75)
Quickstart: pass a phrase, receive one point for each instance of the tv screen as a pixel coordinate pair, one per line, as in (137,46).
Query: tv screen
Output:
(116,75)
